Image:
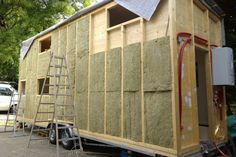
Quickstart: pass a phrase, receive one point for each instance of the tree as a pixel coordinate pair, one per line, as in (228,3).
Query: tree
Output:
(21,19)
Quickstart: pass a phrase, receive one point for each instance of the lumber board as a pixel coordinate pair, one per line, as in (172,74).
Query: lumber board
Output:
(200,21)
(99,31)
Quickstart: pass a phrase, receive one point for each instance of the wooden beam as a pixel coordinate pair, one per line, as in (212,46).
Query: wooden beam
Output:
(122,79)
(142,35)
(90,53)
(105,74)
(44,37)
(192,64)
(75,84)
(174,85)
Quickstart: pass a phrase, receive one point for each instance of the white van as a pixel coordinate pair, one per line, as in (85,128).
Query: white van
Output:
(6,92)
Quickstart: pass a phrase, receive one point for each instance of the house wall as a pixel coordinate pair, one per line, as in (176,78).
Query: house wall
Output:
(116,74)
(118,88)
(193,17)
(125,77)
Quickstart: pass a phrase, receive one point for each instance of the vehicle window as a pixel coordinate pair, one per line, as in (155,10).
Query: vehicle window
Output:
(5,91)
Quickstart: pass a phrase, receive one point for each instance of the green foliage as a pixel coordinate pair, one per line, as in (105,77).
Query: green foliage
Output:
(21,19)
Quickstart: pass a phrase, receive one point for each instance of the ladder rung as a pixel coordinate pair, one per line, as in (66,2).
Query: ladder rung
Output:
(41,121)
(68,139)
(43,138)
(64,95)
(10,120)
(66,115)
(57,94)
(46,94)
(58,57)
(60,94)
(36,130)
(62,85)
(9,126)
(47,103)
(45,112)
(58,66)
(58,75)
(66,127)
(61,105)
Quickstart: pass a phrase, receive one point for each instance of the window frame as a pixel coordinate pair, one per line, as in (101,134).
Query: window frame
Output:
(40,84)
(116,25)
(43,39)
(23,82)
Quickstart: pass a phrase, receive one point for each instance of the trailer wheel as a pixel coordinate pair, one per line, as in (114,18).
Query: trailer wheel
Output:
(67,144)
(52,135)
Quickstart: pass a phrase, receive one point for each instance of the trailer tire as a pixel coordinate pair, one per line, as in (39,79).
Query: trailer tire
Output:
(52,135)
(67,144)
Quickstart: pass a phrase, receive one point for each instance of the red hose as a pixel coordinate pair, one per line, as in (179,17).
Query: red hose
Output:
(180,63)
(222,153)
(200,41)
(184,34)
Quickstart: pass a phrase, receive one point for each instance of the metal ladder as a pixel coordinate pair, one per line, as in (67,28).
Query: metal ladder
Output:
(57,70)
(12,122)
(19,110)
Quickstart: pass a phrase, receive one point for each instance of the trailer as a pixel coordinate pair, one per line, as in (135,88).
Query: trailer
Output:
(141,74)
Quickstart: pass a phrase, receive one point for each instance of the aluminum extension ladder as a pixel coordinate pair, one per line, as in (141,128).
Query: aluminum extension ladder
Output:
(57,70)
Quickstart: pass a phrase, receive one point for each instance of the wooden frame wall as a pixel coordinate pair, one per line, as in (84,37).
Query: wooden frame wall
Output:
(116,36)
(180,18)
(194,19)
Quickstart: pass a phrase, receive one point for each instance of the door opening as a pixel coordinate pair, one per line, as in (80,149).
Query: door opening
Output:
(201,57)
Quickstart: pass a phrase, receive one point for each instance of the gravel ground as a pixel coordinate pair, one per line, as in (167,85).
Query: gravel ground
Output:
(11,146)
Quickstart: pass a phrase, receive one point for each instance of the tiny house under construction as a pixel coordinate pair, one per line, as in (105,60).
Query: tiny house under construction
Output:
(141,81)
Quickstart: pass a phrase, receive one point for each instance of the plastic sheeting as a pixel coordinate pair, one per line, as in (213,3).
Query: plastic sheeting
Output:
(25,46)
(140,7)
